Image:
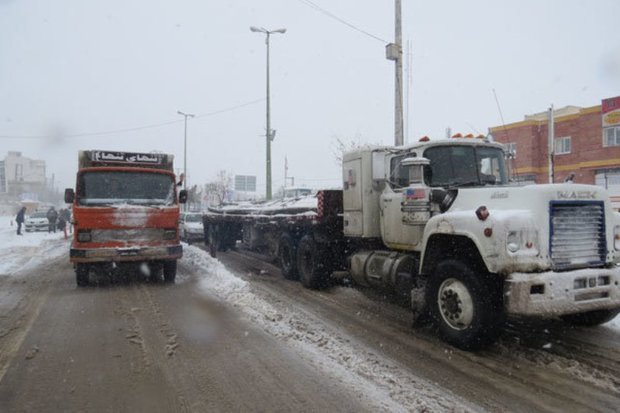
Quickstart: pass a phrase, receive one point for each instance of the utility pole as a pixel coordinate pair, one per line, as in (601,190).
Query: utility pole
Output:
(551,143)
(185,115)
(394,51)
(270,134)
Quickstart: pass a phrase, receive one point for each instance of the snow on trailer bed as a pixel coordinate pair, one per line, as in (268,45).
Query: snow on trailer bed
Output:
(325,204)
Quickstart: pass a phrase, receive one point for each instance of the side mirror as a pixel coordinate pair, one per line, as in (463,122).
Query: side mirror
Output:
(444,198)
(69,195)
(182,196)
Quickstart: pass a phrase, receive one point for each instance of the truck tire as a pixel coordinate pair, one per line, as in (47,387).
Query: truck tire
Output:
(287,252)
(312,263)
(170,271)
(465,306)
(591,318)
(81,274)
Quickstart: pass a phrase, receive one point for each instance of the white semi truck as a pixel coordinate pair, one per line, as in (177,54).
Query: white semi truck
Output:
(439,221)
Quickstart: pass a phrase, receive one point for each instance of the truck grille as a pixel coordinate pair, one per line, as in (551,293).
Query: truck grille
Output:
(131,235)
(577,234)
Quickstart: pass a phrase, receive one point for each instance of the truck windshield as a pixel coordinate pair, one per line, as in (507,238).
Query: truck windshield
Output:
(134,188)
(465,166)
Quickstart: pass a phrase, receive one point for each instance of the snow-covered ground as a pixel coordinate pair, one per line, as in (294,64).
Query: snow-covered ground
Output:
(384,384)
(20,252)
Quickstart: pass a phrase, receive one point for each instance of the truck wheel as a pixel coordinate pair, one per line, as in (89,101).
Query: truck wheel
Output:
(311,263)
(170,271)
(465,306)
(287,252)
(591,318)
(81,274)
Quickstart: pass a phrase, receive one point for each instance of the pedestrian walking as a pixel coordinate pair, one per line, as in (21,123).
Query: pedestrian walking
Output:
(62,224)
(52,216)
(20,220)
(66,214)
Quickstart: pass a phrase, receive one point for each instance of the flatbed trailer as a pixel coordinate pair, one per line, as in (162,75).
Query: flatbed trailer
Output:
(278,229)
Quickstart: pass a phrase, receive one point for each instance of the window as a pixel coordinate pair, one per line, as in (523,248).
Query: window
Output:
(611,136)
(562,145)
(19,172)
(465,166)
(137,188)
(511,148)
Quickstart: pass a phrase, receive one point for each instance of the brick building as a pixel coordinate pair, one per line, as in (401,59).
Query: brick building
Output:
(587,143)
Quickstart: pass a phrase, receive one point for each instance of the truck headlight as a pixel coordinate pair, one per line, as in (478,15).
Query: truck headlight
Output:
(523,241)
(513,241)
(84,235)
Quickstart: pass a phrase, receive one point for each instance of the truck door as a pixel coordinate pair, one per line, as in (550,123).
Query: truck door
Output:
(404,205)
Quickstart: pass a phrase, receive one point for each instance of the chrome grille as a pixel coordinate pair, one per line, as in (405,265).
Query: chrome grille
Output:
(577,234)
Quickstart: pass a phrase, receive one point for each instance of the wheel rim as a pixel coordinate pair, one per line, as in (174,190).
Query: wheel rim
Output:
(456,304)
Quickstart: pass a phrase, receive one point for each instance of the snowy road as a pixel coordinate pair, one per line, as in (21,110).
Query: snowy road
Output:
(233,335)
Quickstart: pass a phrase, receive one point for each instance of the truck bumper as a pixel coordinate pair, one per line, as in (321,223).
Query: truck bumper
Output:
(552,293)
(126,254)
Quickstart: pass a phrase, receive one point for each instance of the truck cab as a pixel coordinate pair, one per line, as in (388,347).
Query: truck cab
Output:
(440,219)
(126,214)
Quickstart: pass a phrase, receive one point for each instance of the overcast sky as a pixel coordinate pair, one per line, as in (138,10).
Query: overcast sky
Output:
(75,67)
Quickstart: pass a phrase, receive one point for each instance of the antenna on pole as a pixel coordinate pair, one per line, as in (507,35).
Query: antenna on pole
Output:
(501,116)
(394,51)
(409,77)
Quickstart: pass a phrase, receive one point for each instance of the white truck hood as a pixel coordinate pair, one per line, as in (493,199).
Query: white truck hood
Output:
(530,212)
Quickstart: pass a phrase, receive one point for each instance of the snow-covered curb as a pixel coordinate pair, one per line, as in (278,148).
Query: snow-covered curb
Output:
(382,383)
(23,252)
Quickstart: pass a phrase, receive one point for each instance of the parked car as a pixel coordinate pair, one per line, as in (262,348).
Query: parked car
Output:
(37,221)
(190,227)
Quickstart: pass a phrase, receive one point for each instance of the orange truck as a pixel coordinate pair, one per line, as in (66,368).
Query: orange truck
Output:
(125,215)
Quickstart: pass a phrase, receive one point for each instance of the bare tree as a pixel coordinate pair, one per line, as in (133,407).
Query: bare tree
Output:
(218,190)
(341,145)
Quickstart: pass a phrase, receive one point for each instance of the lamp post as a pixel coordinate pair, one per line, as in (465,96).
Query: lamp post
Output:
(185,115)
(270,134)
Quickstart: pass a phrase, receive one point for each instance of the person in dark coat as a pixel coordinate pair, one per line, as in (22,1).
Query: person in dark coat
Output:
(62,223)
(66,214)
(20,220)
(52,216)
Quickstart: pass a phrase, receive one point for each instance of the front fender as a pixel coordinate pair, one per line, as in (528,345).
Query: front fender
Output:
(489,237)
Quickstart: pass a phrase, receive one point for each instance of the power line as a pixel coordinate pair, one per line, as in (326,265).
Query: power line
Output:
(341,20)
(134,129)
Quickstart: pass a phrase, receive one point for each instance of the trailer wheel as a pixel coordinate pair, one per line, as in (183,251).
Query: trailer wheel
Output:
(465,306)
(170,271)
(312,263)
(81,274)
(287,252)
(591,318)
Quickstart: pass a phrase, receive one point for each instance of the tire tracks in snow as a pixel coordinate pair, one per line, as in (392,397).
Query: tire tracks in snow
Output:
(505,376)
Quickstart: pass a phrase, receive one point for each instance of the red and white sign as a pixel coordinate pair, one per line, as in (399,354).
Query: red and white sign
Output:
(611,111)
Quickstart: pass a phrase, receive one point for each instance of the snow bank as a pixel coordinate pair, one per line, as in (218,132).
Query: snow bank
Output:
(20,252)
(382,383)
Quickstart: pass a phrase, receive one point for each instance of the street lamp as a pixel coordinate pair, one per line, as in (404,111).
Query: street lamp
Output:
(270,134)
(185,115)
